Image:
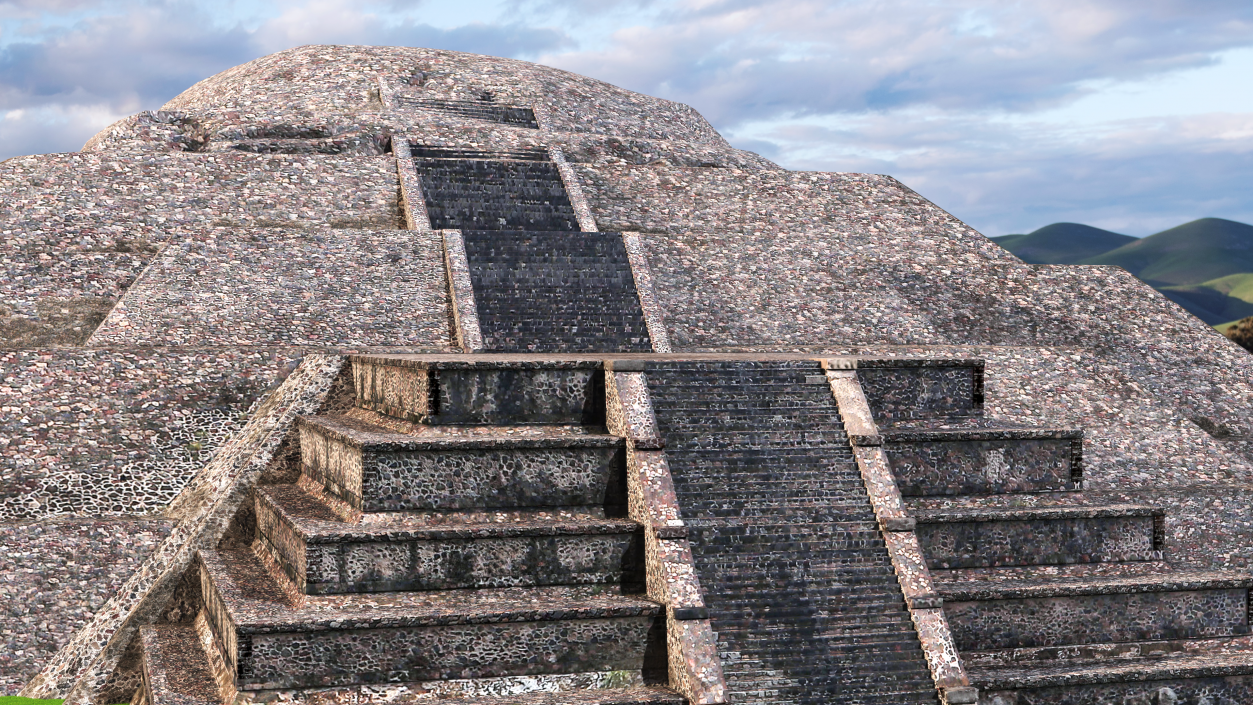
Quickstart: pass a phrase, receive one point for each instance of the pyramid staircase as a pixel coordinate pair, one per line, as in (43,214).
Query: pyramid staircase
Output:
(799,584)
(461,533)
(539,283)
(1053,597)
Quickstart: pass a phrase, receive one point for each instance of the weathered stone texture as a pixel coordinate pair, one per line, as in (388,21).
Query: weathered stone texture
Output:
(263,287)
(54,574)
(118,432)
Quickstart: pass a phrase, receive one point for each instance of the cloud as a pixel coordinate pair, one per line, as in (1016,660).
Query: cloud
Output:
(117,58)
(347,22)
(740,60)
(1132,176)
(137,59)
(52,128)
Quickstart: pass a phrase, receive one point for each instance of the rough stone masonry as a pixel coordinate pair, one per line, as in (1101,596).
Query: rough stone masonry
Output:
(177,292)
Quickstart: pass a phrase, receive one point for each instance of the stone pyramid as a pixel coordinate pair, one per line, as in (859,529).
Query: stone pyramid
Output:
(371,375)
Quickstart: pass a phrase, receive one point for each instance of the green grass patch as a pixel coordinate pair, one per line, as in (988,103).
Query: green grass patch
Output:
(1222,327)
(14,700)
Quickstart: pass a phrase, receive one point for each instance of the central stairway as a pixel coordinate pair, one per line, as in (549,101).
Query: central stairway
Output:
(540,284)
(469,543)
(799,584)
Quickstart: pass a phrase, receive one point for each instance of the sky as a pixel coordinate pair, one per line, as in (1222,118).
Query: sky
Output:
(1129,115)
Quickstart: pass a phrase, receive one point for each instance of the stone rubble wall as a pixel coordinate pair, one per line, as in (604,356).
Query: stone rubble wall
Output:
(86,668)
(81,228)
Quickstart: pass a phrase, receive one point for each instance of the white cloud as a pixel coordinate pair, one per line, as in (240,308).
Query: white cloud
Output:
(52,128)
(1120,113)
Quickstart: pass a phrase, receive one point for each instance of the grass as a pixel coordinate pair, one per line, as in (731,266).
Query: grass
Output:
(14,700)
(1220,327)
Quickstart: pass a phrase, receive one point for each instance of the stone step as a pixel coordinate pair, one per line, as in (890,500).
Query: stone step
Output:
(820,432)
(890,625)
(855,604)
(771,629)
(748,512)
(323,555)
(822,572)
(1095,654)
(991,537)
(718,371)
(902,391)
(527,154)
(479,393)
(1192,678)
(1053,572)
(533,304)
(1025,614)
(608,688)
(887,654)
(176,668)
(873,694)
(984,461)
(475,110)
(373,469)
(640,695)
(338,640)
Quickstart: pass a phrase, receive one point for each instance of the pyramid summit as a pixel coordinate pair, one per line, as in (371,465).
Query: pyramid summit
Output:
(378,374)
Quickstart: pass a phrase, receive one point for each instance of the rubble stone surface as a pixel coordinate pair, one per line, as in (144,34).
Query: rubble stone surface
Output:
(155,286)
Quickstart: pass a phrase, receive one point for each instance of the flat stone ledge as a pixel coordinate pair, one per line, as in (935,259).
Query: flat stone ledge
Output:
(990,514)
(981,434)
(476,362)
(357,434)
(1169,582)
(247,590)
(285,500)
(1137,670)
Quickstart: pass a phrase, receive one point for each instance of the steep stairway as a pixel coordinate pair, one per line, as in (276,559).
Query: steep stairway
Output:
(471,547)
(486,110)
(540,284)
(555,292)
(799,585)
(1052,597)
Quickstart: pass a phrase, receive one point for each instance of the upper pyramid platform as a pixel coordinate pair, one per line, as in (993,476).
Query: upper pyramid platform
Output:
(350,100)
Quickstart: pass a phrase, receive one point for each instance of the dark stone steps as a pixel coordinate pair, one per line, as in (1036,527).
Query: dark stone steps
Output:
(322,555)
(538,305)
(487,112)
(417,636)
(481,194)
(597,696)
(801,631)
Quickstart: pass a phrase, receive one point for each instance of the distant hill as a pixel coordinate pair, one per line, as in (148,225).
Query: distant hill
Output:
(1221,300)
(1062,243)
(1205,266)
(1192,253)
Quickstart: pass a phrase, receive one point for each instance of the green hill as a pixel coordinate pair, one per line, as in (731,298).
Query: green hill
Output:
(1204,266)
(1062,243)
(1218,301)
(1192,253)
